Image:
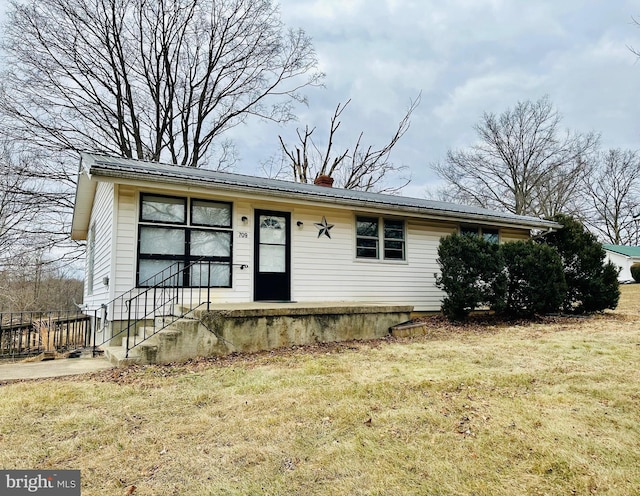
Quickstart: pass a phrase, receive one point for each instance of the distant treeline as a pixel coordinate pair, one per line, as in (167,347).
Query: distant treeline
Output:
(38,287)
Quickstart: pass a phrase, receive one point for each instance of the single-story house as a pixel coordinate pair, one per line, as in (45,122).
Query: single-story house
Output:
(623,257)
(250,239)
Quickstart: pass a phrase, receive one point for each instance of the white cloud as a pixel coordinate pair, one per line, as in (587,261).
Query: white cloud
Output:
(471,56)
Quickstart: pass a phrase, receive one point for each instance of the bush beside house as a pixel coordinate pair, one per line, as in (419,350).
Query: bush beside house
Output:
(592,285)
(471,275)
(536,282)
(515,279)
(565,271)
(635,272)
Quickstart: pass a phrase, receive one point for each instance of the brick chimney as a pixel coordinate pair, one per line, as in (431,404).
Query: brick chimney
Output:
(323,180)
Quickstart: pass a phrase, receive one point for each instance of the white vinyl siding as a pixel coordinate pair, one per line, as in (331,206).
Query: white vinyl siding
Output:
(91,251)
(126,240)
(623,263)
(102,222)
(322,268)
(507,234)
(327,268)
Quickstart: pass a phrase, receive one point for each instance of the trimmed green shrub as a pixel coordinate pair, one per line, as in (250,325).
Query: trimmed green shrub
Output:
(536,282)
(592,285)
(472,275)
(635,271)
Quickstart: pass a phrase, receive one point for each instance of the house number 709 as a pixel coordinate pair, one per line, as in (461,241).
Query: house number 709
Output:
(243,235)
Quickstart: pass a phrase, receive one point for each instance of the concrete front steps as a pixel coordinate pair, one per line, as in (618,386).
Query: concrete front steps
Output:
(182,339)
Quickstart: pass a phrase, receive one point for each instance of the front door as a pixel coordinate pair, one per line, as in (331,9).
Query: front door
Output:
(272,271)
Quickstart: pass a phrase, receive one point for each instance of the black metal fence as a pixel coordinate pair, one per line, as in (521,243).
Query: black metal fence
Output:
(24,334)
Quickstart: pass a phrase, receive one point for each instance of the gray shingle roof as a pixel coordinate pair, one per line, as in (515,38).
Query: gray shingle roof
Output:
(129,169)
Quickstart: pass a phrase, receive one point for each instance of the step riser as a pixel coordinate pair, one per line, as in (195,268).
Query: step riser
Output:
(152,346)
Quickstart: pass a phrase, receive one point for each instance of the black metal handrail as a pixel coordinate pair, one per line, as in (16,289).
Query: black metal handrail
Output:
(138,305)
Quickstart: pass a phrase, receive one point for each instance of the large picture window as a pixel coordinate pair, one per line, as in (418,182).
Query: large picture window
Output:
(180,232)
(372,233)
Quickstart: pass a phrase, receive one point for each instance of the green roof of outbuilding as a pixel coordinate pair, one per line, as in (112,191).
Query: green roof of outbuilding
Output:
(629,251)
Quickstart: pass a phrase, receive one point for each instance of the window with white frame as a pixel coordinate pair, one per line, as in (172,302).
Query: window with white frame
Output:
(488,233)
(180,232)
(380,238)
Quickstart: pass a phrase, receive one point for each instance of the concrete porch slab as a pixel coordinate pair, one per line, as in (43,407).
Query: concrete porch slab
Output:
(267,308)
(256,326)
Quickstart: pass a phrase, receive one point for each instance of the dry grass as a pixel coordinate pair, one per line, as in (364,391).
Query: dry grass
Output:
(546,408)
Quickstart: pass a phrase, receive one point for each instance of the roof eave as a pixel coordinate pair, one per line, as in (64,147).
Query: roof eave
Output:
(83,203)
(435,214)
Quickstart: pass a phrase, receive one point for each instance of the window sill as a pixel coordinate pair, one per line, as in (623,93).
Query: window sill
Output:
(381,261)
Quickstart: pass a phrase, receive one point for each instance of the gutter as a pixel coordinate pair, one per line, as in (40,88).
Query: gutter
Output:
(545,233)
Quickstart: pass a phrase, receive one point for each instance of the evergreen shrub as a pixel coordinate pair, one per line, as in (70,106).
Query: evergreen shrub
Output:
(536,283)
(592,285)
(471,275)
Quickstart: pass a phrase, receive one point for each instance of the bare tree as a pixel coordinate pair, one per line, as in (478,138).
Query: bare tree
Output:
(148,79)
(523,162)
(36,284)
(33,205)
(364,167)
(613,196)
(23,216)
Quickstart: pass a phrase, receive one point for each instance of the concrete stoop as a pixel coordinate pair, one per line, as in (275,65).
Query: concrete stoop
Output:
(255,327)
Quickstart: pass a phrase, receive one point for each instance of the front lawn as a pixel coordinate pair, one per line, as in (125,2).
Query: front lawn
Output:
(545,408)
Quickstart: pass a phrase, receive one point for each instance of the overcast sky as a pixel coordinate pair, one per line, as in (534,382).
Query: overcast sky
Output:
(465,57)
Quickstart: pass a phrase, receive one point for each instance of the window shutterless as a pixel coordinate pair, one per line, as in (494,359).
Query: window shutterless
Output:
(371,232)
(170,240)
(488,233)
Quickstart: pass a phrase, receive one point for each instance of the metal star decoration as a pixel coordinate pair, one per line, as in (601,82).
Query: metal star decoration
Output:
(324,227)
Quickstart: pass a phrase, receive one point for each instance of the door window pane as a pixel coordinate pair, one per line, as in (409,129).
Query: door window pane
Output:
(164,209)
(273,230)
(206,213)
(161,241)
(210,244)
(272,258)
